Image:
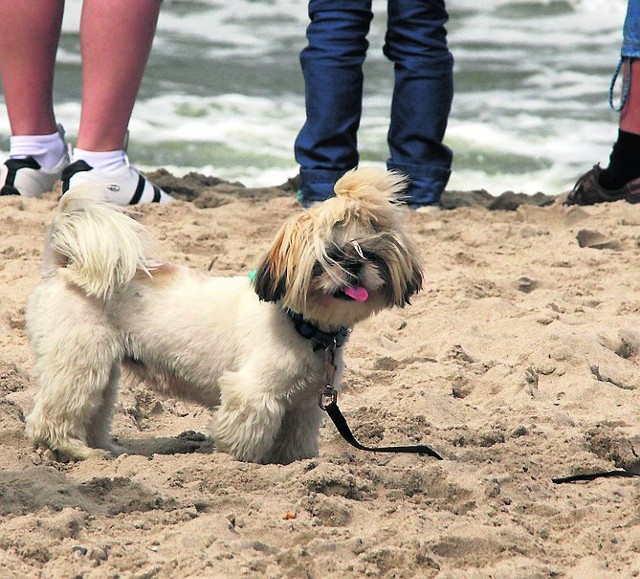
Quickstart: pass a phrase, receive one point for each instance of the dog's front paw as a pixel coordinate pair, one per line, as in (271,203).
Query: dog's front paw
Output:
(112,449)
(289,455)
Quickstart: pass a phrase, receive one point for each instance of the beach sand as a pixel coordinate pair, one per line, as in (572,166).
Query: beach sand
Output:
(518,362)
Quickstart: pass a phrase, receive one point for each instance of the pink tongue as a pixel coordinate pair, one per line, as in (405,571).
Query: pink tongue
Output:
(357,293)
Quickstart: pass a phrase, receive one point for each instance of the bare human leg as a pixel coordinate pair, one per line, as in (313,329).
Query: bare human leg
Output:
(116,39)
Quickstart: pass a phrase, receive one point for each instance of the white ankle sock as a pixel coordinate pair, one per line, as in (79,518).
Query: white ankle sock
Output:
(47,150)
(101,160)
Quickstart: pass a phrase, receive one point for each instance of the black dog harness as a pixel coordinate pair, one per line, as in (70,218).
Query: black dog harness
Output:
(328,395)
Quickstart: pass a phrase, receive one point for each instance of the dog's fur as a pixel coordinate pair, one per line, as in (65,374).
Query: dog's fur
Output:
(104,303)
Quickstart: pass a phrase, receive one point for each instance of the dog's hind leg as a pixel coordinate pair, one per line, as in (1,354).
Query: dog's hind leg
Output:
(99,426)
(77,358)
(73,410)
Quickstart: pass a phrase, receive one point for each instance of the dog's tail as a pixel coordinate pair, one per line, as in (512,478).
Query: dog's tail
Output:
(95,244)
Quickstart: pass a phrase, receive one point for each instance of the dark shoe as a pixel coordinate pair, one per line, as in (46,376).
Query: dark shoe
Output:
(588,191)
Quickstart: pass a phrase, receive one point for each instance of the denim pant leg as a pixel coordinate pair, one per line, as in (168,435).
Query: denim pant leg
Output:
(630,51)
(416,43)
(631,31)
(326,146)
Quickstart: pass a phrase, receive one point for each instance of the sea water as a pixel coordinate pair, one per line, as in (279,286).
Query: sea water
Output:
(223,91)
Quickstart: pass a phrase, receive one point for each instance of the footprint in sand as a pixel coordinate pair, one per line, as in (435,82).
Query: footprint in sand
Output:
(623,451)
(596,240)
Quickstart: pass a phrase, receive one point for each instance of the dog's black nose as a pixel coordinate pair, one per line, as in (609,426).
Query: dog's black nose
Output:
(354,268)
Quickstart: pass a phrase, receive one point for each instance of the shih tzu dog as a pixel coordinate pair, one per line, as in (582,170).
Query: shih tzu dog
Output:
(249,349)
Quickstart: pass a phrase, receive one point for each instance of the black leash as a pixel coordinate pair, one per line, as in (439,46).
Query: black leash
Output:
(593,476)
(328,401)
(328,396)
(343,428)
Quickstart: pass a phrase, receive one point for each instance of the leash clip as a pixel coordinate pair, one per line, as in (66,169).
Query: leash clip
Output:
(329,395)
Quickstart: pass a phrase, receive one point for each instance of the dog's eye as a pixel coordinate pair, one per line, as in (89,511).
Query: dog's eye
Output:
(317,269)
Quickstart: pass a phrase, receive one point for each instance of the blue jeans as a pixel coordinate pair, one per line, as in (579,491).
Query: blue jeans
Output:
(416,43)
(631,31)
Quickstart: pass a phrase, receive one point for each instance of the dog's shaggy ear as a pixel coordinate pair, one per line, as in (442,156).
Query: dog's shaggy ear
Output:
(270,280)
(414,282)
(397,260)
(285,272)
(411,270)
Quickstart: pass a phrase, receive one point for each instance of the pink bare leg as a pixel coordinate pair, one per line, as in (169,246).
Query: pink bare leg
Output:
(29,35)
(116,38)
(630,114)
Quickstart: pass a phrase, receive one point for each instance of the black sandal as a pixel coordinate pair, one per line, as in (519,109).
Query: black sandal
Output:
(588,191)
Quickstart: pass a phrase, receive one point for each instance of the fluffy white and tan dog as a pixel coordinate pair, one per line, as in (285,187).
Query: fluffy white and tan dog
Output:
(251,351)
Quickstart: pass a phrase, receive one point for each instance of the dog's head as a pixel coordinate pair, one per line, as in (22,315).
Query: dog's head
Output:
(346,258)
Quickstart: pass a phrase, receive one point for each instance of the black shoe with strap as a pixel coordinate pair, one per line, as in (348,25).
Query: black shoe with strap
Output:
(588,191)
